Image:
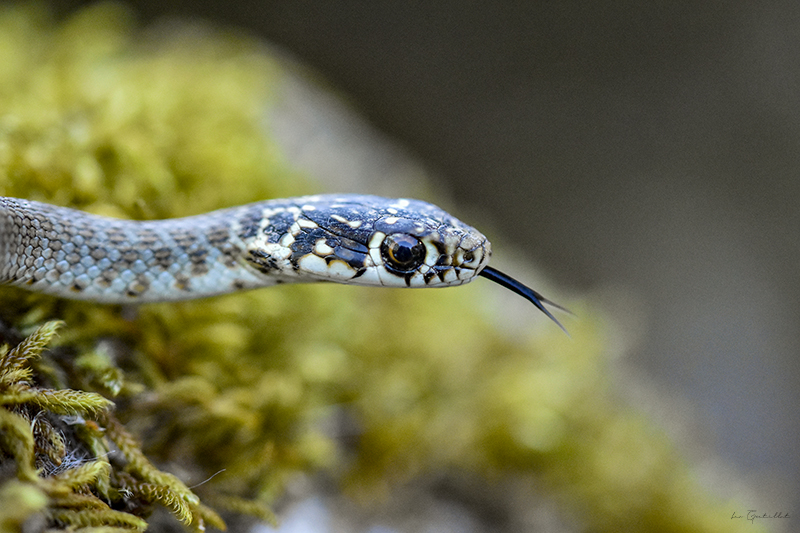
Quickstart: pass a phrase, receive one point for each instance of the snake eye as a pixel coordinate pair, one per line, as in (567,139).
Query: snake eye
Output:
(402,252)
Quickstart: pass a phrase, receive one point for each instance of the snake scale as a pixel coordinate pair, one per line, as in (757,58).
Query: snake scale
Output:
(353,239)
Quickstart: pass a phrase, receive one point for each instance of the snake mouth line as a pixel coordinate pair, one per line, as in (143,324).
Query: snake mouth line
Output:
(526,292)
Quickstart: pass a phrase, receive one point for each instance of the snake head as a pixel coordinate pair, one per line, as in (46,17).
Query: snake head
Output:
(368,240)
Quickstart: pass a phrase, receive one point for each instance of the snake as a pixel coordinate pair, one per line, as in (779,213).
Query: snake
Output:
(353,239)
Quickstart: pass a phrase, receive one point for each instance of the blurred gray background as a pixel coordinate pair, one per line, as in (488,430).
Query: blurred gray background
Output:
(646,146)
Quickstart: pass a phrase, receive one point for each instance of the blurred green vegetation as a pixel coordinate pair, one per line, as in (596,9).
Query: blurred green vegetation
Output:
(99,114)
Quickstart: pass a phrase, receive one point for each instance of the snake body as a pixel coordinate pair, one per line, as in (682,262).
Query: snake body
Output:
(354,239)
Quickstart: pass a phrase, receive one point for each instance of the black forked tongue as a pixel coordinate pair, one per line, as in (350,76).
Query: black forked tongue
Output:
(526,292)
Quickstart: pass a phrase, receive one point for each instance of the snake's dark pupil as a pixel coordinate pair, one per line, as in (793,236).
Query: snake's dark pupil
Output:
(403,252)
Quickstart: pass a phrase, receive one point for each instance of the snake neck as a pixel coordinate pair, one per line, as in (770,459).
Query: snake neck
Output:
(72,254)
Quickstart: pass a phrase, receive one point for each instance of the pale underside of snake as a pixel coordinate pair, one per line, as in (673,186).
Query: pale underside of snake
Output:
(351,238)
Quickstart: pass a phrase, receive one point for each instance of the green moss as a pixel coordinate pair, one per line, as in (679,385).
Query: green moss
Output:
(100,115)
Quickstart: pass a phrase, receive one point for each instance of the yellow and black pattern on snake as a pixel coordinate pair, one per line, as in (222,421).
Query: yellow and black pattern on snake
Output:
(352,239)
